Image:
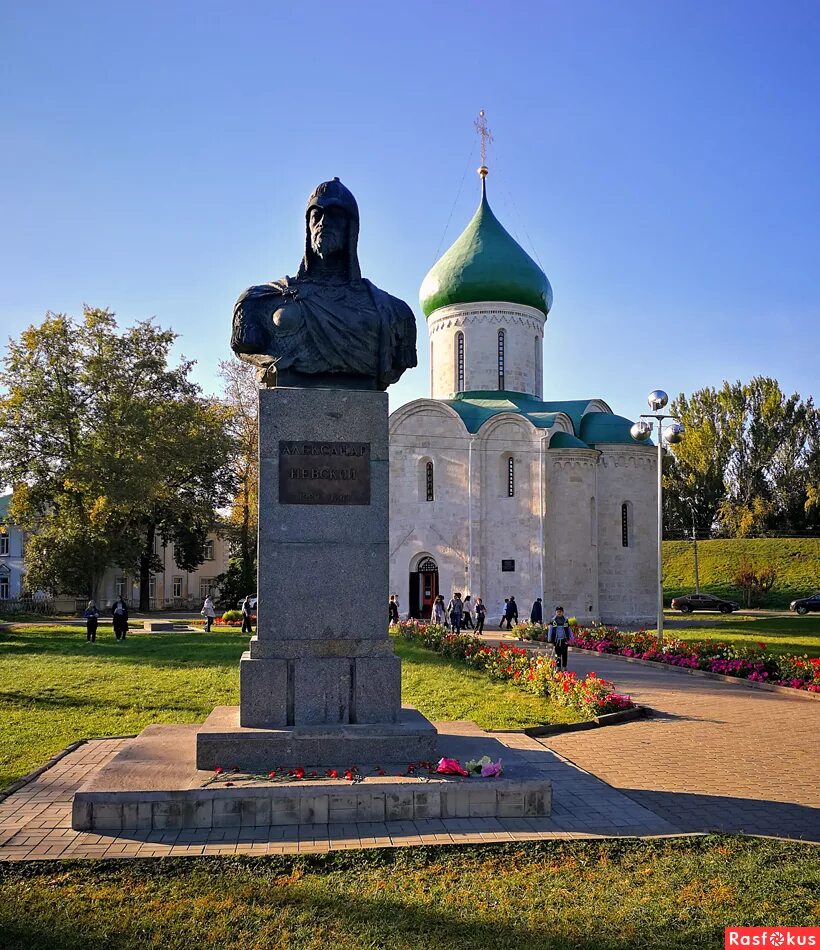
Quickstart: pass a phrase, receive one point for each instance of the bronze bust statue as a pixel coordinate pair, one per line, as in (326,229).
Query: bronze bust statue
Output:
(327,327)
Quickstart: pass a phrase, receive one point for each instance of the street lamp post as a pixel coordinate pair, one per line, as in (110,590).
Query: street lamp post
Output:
(673,434)
(695,544)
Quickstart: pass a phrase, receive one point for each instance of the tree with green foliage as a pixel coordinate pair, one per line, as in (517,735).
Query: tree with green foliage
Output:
(241,403)
(748,464)
(107,447)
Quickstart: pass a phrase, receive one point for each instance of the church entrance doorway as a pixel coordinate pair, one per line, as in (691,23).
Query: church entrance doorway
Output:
(423,588)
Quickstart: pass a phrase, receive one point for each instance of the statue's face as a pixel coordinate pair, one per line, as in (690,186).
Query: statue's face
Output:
(328,230)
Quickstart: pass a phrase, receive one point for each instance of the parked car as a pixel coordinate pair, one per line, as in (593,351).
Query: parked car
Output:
(805,604)
(690,602)
(253,601)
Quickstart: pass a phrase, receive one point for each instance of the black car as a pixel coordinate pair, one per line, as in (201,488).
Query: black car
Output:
(690,602)
(805,604)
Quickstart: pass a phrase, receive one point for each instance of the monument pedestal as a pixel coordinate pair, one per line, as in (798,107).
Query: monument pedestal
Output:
(320,681)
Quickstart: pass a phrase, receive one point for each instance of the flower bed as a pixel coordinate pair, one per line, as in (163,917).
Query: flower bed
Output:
(535,673)
(219,622)
(752,663)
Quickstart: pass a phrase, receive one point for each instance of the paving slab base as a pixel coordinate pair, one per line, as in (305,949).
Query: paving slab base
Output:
(153,784)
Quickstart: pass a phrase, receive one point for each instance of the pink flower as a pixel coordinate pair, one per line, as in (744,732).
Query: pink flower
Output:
(451,767)
(491,769)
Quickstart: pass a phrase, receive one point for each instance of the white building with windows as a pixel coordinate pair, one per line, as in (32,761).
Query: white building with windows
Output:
(496,491)
(11,554)
(169,589)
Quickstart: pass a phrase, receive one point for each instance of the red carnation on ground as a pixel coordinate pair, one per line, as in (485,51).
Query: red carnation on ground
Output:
(332,773)
(299,773)
(218,771)
(349,775)
(272,774)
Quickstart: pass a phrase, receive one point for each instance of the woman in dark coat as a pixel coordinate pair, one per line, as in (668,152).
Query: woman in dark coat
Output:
(119,611)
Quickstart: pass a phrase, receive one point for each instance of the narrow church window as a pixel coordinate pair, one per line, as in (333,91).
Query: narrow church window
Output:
(510,476)
(537,369)
(500,359)
(429,481)
(460,362)
(625,524)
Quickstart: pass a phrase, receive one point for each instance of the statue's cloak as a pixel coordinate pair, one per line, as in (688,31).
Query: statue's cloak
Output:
(342,326)
(352,329)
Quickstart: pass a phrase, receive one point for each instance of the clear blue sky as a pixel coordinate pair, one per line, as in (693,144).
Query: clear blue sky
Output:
(662,159)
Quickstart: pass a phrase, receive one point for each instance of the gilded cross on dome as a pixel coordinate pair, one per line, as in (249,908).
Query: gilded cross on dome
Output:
(486,138)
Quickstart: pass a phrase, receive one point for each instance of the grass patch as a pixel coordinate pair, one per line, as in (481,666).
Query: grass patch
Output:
(597,895)
(780,634)
(56,688)
(796,560)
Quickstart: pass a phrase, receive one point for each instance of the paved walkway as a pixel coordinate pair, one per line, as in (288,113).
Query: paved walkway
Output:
(714,757)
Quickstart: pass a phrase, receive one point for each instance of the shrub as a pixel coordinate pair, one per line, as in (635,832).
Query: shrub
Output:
(231,615)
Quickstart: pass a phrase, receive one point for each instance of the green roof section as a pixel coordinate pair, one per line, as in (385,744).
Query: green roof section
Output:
(563,440)
(593,428)
(476,407)
(602,428)
(485,263)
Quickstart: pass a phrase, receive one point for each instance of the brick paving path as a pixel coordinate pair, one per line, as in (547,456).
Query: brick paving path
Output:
(35,822)
(714,757)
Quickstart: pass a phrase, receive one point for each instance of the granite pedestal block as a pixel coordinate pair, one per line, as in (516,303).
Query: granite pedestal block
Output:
(221,742)
(320,677)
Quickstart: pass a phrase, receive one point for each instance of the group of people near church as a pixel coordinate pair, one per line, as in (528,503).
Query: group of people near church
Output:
(458,616)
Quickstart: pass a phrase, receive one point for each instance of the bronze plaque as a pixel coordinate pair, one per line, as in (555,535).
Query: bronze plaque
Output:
(324,473)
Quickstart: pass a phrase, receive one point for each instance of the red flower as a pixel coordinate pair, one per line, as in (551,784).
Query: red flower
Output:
(349,775)
(332,773)
(272,774)
(218,771)
(762,646)
(299,773)
(312,774)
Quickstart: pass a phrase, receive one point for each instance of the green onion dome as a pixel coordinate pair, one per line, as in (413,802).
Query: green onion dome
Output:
(485,263)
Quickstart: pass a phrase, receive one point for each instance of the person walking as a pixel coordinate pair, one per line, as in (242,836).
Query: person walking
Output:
(119,611)
(560,634)
(247,615)
(504,613)
(537,612)
(208,613)
(92,617)
(511,612)
(456,611)
(480,614)
(393,610)
(438,615)
(467,619)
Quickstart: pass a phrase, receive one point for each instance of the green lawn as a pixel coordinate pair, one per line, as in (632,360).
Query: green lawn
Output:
(609,895)
(56,688)
(796,560)
(780,634)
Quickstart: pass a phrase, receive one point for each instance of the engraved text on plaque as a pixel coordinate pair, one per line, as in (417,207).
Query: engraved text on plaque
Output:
(324,473)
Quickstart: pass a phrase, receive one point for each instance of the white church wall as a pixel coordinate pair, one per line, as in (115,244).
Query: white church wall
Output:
(571,545)
(420,431)
(627,574)
(507,527)
(480,323)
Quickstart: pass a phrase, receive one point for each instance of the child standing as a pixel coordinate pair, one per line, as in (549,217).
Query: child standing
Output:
(560,635)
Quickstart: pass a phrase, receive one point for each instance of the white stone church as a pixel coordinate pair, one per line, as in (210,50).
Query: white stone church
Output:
(496,491)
